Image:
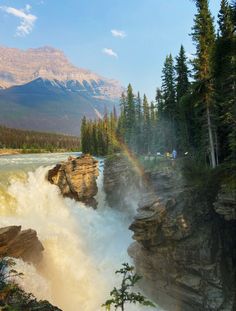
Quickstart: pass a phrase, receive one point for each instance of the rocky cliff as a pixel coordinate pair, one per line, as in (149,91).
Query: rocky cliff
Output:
(76,178)
(121,182)
(18,243)
(22,66)
(185,246)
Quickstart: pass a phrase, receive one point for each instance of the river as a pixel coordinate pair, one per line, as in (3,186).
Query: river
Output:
(83,246)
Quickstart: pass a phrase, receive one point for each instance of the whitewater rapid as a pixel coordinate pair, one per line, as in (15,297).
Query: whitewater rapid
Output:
(83,246)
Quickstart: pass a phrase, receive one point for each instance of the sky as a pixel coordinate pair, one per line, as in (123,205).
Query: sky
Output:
(126,40)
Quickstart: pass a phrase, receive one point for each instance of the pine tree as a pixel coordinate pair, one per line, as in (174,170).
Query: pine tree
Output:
(224,78)
(168,88)
(130,117)
(168,111)
(225,20)
(122,119)
(146,125)
(181,68)
(184,107)
(160,102)
(153,128)
(84,136)
(204,39)
(139,123)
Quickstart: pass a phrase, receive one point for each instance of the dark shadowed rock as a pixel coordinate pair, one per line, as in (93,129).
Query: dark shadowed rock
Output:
(18,243)
(226,204)
(76,178)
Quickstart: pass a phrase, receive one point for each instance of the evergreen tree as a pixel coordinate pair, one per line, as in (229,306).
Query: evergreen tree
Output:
(130,117)
(168,112)
(146,125)
(84,136)
(139,123)
(122,119)
(224,79)
(153,128)
(168,88)
(204,39)
(184,107)
(160,102)
(181,68)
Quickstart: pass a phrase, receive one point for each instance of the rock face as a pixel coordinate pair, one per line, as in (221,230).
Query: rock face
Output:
(121,182)
(185,246)
(76,178)
(226,204)
(18,243)
(185,251)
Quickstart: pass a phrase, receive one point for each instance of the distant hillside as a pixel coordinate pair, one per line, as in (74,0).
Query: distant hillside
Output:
(21,139)
(41,90)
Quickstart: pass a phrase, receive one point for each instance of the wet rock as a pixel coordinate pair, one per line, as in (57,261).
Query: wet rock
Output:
(76,178)
(18,243)
(121,182)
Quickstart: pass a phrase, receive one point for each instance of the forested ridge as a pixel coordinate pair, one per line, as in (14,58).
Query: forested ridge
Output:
(194,110)
(31,140)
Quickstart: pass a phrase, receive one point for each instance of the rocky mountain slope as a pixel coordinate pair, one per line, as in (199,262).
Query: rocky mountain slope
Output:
(41,90)
(19,67)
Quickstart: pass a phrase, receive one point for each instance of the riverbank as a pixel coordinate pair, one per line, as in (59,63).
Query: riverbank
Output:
(5,151)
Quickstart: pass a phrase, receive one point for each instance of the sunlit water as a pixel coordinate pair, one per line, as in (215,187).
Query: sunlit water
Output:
(83,246)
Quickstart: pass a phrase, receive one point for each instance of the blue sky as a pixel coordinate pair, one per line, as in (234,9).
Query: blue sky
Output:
(146,31)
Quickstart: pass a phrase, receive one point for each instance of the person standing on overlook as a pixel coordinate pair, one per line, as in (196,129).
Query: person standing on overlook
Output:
(174,154)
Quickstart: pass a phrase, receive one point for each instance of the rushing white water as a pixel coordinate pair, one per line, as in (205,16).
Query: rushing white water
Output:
(83,246)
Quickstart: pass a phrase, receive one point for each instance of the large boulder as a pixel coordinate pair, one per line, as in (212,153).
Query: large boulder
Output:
(76,178)
(18,243)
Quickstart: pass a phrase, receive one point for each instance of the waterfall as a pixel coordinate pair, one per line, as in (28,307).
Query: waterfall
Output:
(83,246)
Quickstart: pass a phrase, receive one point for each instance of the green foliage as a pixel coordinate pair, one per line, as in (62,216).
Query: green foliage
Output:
(121,296)
(13,298)
(7,272)
(98,137)
(225,79)
(31,141)
(196,116)
(204,38)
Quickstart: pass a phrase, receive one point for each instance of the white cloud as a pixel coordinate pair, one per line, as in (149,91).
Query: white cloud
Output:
(118,33)
(110,52)
(28,7)
(27,20)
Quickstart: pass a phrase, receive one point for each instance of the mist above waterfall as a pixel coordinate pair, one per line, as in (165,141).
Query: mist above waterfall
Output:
(83,246)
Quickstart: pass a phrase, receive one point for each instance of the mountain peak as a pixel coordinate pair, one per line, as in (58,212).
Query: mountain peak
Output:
(18,67)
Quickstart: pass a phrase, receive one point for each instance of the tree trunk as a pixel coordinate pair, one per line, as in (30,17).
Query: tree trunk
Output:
(212,148)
